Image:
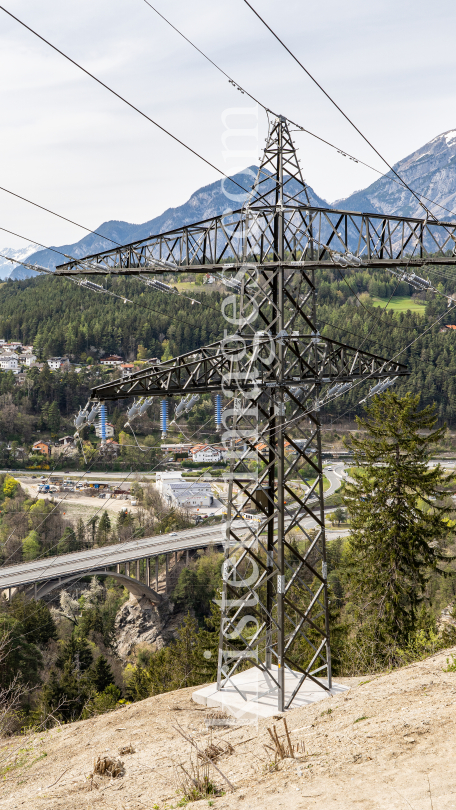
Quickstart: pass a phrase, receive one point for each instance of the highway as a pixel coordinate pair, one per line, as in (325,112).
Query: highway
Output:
(65,565)
(25,573)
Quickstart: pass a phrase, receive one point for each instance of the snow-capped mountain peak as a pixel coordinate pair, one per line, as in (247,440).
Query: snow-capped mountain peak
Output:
(21,254)
(430,171)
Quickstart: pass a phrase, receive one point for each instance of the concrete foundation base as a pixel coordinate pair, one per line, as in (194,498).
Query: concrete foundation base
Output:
(258,697)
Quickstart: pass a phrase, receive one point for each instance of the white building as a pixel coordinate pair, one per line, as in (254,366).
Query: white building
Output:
(55,363)
(162,479)
(112,360)
(29,359)
(109,430)
(183,494)
(8,362)
(204,452)
(9,353)
(186,494)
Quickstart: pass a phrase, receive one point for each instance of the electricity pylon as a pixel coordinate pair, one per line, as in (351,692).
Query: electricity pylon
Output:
(279,372)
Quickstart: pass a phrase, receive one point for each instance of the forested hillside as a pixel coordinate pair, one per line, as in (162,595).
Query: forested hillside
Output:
(60,318)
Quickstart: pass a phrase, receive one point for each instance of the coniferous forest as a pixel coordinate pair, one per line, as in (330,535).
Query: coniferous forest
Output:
(60,318)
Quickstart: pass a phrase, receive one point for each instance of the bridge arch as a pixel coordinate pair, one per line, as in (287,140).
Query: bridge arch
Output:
(135,587)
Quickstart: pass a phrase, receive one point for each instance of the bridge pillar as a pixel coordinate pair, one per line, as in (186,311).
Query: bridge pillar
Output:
(175,559)
(35,589)
(187,557)
(156,574)
(137,570)
(148,572)
(118,568)
(167,572)
(127,569)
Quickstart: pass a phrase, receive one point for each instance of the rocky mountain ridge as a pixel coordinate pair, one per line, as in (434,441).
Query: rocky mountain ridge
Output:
(430,171)
(208,201)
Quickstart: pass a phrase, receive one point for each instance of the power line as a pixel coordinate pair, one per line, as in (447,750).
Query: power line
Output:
(122,98)
(301,128)
(102,290)
(391,168)
(263,106)
(60,216)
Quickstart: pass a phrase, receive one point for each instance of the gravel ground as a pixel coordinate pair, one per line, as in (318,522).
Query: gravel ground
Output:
(387,743)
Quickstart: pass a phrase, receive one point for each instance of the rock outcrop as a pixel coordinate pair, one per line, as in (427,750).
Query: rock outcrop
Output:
(140,622)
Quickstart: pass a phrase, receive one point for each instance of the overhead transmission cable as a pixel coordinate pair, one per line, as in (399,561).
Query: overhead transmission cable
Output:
(90,285)
(347,118)
(400,181)
(60,216)
(122,98)
(242,89)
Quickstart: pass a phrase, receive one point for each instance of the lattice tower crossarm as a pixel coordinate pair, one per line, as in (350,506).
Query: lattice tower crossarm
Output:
(277,368)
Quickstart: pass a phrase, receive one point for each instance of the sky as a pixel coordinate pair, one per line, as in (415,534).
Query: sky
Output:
(71,146)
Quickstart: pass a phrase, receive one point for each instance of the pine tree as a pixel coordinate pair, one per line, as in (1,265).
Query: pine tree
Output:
(80,533)
(75,654)
(398,524)
(100,675)
(54,417)
(104,528)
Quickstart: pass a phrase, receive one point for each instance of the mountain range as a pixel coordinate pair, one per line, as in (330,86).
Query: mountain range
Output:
(430,171)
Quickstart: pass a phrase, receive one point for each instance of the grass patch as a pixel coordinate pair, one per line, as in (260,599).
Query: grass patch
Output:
(400,304)
(191,285)
(358,719)
(310,482)
(334,500)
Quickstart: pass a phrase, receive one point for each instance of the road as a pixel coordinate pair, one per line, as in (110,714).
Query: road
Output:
(64,565)
(12,576)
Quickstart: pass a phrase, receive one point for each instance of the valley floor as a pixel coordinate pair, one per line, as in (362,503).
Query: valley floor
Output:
(387,743)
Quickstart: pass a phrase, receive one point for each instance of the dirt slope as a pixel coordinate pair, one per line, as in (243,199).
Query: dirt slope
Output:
(388,743)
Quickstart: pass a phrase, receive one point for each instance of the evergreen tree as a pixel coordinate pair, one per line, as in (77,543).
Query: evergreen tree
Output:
(80,533)
(76,654)
(138,686)
(398,525)
(22,659)
(53,417)
(35,619)
(100,675)
(104,527)
(66,693)
(44,415)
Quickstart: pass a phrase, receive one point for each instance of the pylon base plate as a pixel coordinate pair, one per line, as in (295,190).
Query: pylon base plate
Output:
(261,696)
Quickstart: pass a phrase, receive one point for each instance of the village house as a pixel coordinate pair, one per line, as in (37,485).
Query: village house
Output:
(112,360)
(109,430)
(204,452)
(56,363)
(42,447)
(9,362)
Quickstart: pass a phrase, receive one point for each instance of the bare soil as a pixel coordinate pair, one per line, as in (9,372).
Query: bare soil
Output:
(387,743)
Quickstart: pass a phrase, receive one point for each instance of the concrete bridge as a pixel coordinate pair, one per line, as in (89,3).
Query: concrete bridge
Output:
(121,561)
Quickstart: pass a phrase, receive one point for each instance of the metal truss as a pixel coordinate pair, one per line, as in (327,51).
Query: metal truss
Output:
(311,234)
(311,361)
(278,371)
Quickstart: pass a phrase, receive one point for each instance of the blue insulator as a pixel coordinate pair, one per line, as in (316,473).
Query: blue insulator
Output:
(164,415)
(218,411)
(103,422)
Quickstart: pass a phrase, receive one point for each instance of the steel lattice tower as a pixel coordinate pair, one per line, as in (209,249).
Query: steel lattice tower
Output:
(277,369)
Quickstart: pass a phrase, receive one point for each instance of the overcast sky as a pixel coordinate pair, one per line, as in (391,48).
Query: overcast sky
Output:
(71,146)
